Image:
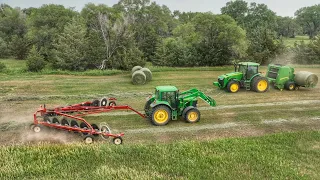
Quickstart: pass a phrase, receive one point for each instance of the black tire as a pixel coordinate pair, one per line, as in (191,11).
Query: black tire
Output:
(192,115)
(160,115)
(96,128)
(104,102)
(290,86)
(117,140)
(233,86)
(65,122)
(184,112)
(88,139)
(112,103)
(260,84)
(55,121)
(74,124)
(84,126)
(95,103)
(147,108)
(46,119)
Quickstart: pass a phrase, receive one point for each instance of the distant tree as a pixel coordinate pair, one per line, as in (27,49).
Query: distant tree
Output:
(287,27)
(4,49)
(309,18)
(222,40)
(71,47)
(13,32)
(35,61)
(308,53)
(237,9)
(152,22)
(45,24)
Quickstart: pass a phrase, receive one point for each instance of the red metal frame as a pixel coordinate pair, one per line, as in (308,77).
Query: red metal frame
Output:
(80,110)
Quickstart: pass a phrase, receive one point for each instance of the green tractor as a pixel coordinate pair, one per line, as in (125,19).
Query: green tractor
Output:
(246,75)
(168,104)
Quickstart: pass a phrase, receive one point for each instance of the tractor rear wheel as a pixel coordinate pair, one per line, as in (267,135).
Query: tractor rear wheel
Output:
(233,86)
(260,84)
(290,86)
(192,115)
(161,115)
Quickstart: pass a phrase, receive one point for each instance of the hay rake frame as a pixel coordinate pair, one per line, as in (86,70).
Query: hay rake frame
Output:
(76,112)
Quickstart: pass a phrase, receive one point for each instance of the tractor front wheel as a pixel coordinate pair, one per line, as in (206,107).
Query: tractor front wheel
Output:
(161,115)
(260,84)
(192,115)
(233,86)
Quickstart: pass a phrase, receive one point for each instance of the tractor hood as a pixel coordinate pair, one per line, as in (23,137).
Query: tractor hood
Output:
(229,75)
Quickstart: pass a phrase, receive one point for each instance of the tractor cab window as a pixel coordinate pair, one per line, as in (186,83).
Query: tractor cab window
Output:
(242,69)
(252,70)
(170,97)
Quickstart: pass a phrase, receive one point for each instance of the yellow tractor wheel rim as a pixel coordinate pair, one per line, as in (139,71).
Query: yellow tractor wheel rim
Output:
(193,116)
(291,87)
(234,87)
(161,116)
(262,85)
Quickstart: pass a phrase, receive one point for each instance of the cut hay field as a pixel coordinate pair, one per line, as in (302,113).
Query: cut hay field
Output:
(248,135)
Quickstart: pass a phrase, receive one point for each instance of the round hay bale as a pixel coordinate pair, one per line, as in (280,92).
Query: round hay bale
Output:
(148,73)
(136,68)
(139,78)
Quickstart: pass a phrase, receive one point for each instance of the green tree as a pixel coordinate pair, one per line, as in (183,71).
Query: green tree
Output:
(152,22)
(222,40)
(35,61)
(308,53)
(71,47)
(309,19)
(45,24)
(13,32)
(237,9)
(287,27)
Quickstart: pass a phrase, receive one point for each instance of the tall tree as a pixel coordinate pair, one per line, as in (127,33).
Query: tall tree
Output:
(309,18)
(71,47)
(13,31)
(237,9)
(45,23)
(287,27)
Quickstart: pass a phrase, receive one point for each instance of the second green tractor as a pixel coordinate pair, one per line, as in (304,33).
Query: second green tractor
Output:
(246,74)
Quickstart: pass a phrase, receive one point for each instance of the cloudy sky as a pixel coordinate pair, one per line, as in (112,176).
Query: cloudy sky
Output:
(281,7)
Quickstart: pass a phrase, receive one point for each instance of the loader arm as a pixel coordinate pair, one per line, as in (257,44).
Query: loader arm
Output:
(195,93)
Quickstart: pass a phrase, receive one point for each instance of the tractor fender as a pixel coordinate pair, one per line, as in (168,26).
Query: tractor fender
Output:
(153,105)
(184,112)
(259,74)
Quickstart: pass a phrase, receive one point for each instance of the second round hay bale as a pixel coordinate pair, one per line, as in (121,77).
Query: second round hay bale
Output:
(139,78)
(136,68)
(148,73)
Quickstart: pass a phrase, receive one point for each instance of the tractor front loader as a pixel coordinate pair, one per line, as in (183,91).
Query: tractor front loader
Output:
(168,104)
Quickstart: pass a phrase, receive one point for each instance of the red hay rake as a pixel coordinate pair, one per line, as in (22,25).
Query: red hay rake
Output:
(70,118)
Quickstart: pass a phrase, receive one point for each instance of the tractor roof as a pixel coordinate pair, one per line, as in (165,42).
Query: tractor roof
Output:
(166,88)
(249,64)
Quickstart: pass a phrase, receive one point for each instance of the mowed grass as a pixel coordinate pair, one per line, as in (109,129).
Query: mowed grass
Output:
(177,151)
(289,42)
(279,156)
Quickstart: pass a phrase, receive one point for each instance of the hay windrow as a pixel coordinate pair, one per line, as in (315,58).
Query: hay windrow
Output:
(138,78)
(148,73)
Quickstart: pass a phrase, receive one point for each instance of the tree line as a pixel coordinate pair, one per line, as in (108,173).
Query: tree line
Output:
(133,32)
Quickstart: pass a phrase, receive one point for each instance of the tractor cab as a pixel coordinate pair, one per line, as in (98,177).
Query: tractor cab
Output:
(248,69)
(167,94)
